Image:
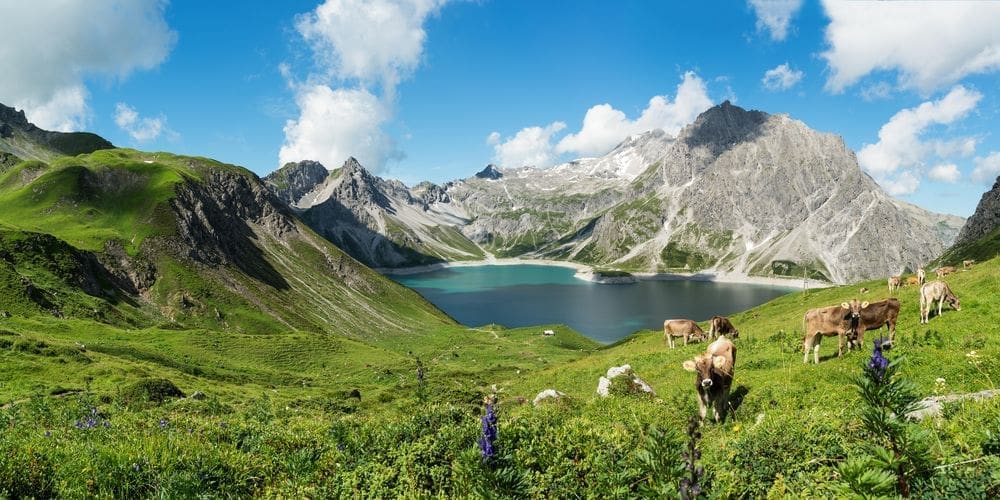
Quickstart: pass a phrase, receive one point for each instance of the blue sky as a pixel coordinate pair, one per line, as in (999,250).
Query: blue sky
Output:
(435,89)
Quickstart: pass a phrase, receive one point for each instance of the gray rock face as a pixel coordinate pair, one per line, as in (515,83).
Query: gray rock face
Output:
(21,138)
(736,191)
(294,180)
(986,218)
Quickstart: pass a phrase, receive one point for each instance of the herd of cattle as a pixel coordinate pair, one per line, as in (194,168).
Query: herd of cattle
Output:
(848,321)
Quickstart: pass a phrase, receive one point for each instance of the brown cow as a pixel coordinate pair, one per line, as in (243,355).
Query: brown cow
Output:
(939,291)
(828,321)
(921,276)
(681,328)
(944,271)
(894,283)
(912,280)
(875,316)
(714,376)
(720,325)
(968,263)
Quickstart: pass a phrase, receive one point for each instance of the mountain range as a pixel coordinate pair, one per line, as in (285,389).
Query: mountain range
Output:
(735,192)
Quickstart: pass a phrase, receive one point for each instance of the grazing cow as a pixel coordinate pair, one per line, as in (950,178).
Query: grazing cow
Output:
(864,290)
(939,291)
(714,376)
(912,280)
(720,325)
(921,276)
(876,315)
(944,271)
(894,283)
(839,320)
(681,328)
(968,263)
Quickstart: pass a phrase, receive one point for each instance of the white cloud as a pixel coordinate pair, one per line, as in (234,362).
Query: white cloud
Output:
(531,146)
(363,50)
(987,168)
(931,44)
(374,41)
(900,144)
(905,183)
(775,16)
(877,91)
(781,77)
(947,172)
(51,47)
(493,139)
(604,126)
(139,128)
(336,124)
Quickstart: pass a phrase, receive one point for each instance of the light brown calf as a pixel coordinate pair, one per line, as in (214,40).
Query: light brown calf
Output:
(939,291)
(720,325)
(822,322)
(681,328)
(714,376)
(941,272)
(894,283)
(968,263)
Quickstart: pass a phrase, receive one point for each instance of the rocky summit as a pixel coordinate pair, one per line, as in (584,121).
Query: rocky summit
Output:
(736,192)
(985,220)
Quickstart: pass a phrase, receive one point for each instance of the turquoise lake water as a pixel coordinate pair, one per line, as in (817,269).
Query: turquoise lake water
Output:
(525,295)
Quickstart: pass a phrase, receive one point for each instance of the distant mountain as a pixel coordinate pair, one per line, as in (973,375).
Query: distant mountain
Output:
(736,191)
(25,141)
(980,236)
(140,239)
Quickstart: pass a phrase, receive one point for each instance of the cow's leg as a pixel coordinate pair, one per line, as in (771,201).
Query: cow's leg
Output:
(670,340)
(940,303)
(840,344)
(685,340)
(806,345)
(702,409)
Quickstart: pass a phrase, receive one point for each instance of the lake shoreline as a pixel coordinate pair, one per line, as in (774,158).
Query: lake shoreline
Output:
(586,273)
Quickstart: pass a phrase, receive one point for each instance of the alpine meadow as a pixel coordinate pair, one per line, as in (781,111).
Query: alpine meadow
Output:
(238,324)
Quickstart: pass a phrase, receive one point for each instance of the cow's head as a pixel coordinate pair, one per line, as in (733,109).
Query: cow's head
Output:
(954,302)
(702,365)
(853,316)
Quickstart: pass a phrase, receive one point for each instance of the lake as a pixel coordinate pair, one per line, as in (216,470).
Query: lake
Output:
(526,295)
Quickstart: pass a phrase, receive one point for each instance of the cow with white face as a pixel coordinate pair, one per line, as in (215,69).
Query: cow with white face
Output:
(714,376)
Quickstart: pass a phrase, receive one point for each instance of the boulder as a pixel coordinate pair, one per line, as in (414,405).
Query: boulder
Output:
(629,382)
(548,395)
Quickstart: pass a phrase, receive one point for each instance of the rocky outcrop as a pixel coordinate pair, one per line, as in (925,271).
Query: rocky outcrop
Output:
(548,395)
(985,220)
(490,172)
(292,181)
(621,379)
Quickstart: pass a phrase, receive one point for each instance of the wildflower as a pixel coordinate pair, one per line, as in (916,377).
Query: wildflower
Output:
(878,363)
(487,443)
(163,423)
(135,467)
(340,446)
(48,433)
(107,425)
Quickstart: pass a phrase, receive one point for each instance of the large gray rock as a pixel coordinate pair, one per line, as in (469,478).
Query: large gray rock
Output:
(627,378)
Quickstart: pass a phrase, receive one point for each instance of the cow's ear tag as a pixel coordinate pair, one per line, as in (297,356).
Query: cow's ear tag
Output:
(845,305)
(864,304)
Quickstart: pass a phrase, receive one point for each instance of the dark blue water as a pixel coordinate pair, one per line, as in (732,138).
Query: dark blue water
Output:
(525,295)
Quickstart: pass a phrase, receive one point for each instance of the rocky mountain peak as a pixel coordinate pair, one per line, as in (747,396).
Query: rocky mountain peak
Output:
(10,117)
(986,218)
(293,180)
(720,126)
(491,172)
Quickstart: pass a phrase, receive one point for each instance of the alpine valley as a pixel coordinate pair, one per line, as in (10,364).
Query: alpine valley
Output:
(736,192)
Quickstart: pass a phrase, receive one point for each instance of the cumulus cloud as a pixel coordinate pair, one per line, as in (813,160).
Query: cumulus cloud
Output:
(493,139)
(930,44)
(531,146)
(336,124)
(51,47)
(139,128)
(604,126)
(900,143)
(775,16)
(781,77)
(947,172)
(876,91)
(987,168)
(363,50)
(904,183)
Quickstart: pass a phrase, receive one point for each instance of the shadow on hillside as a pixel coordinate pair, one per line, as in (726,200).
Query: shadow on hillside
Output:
(736,398)
(724,126)
(339,225)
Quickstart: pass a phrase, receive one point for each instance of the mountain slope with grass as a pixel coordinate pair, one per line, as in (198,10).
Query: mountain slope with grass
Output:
(980,236)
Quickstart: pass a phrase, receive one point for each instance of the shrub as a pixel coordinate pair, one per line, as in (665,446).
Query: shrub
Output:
(150,390)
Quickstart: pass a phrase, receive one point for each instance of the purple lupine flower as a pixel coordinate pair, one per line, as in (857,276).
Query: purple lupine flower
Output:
(487,442)
(135,467)
(48,433)
(163,423)
(878,364)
